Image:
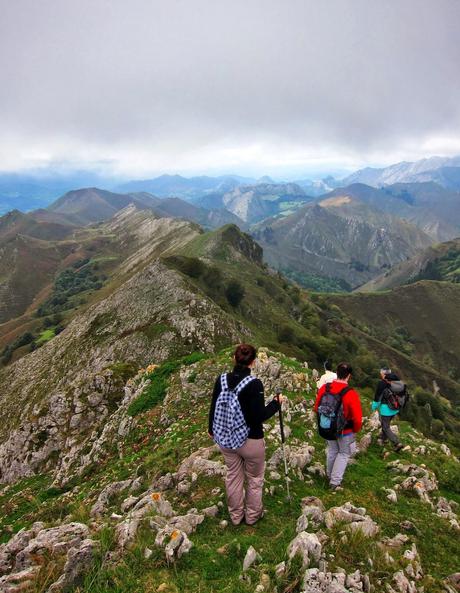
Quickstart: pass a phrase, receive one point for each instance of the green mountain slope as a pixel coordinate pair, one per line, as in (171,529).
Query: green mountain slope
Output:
(438,262)
(339,238)
(417,320)
(27,266)
(33,225)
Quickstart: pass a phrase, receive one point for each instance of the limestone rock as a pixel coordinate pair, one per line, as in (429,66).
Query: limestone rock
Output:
(175,543)
(318,469)
(402,583)
(445,449)
(163,483)
(249,559)
(186,523)
(365,442)
(199,463)
(300,456)
(183,487)
(397,541)
(302,523)
(307,545)
(25,553)
(54,540)
(454,580)
(318,581)
(355,516)
(128,503)
(391,495)
(444,509)
(100,506)
(280,569)
(78,563)
(211,511)
(19,581)
(148,503)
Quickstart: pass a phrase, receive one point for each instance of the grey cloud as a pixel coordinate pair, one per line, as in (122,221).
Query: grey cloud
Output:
(175,77)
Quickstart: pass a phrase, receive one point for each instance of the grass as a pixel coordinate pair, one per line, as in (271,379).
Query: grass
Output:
(45,336)
(156,390)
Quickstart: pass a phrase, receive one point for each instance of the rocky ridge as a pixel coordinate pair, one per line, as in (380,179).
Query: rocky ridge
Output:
(57,408)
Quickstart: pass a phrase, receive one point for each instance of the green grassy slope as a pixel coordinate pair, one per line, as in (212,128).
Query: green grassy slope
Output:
(438,262)
(418,320)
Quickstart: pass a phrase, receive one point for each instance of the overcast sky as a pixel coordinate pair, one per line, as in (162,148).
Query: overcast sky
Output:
(253,86)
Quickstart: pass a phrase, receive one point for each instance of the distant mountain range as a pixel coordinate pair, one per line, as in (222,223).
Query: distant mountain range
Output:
(89,205)
(432,208)
(442,170)
(349,236)
(253,203)
(29,191)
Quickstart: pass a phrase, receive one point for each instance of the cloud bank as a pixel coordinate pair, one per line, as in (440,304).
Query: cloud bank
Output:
(214,85)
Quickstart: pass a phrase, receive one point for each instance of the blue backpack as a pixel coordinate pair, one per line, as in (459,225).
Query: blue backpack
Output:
(229,426)
(331,420)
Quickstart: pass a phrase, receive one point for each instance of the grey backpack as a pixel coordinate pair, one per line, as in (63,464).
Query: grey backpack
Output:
(395,396)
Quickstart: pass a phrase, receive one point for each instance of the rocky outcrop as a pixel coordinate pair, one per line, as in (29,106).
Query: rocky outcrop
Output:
(354,517)
(23,556)
(307,546)
(317,581)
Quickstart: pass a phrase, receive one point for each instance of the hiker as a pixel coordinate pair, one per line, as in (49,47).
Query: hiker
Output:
(382,384)
(239,433)
(339,419)
(383,399)
(328,375)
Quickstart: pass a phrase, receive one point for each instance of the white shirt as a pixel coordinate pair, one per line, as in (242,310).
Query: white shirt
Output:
(328,377)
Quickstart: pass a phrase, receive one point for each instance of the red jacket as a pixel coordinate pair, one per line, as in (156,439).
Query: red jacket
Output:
(351,404)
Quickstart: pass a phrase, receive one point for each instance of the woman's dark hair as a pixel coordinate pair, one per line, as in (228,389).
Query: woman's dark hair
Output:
(343,370)
(245,354)
(327,365)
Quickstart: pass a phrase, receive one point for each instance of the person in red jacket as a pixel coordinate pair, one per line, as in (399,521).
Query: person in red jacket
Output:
(339,451)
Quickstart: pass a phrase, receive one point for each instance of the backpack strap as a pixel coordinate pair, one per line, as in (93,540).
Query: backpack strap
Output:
(242,384)
(344,391)
(223,382)
(340,395)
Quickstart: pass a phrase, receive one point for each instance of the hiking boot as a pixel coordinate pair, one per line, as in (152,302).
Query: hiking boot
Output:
(398,447)
(335,487)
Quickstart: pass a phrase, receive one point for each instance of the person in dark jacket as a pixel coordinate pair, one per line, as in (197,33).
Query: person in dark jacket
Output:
(382,384)
(248,461)
(386,414)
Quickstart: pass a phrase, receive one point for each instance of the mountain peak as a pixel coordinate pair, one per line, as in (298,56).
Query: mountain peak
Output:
(227,243)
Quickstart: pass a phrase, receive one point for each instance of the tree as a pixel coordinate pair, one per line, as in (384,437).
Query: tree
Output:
(234,293)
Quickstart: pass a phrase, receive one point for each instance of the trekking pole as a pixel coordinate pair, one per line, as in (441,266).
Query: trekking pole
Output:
(280,413)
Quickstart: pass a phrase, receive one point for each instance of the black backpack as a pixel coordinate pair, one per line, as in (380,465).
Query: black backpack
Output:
(395,396)
(331,420)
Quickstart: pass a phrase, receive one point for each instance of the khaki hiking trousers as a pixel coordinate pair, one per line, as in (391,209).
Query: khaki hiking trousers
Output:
(246,463)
